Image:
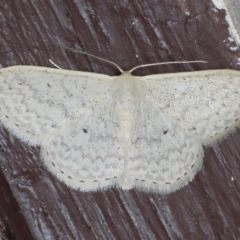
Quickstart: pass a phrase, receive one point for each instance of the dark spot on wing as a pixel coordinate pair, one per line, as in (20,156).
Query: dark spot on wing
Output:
(85,130)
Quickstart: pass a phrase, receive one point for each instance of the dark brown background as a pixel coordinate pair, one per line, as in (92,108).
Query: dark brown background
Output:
(33,204)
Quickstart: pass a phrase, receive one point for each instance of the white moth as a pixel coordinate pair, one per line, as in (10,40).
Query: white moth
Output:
(98,131)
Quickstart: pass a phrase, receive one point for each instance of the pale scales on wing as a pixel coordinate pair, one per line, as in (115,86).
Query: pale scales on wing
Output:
(96,131)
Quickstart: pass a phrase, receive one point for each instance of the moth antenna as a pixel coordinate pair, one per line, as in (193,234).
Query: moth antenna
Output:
(54,64)
(88,54)
(114,64)
(163,63)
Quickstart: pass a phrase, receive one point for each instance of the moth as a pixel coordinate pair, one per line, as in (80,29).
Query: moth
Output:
(97,131)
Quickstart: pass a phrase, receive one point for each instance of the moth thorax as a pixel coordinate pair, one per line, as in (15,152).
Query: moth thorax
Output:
(127,111)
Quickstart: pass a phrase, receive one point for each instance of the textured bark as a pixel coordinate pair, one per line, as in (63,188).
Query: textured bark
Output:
(33,203)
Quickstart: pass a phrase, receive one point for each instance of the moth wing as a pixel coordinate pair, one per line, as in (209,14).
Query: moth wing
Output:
(162,156)
(205,103)
(87,155)
(35,101)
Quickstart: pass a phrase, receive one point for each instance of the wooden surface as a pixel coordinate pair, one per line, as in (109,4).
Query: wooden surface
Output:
(33,203)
